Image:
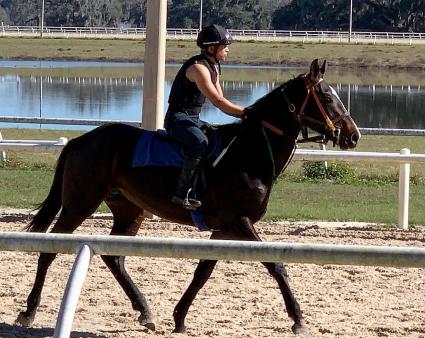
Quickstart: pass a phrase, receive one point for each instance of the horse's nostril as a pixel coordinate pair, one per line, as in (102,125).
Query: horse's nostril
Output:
(354,138)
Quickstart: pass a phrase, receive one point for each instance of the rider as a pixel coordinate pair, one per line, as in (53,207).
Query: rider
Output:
(197,78)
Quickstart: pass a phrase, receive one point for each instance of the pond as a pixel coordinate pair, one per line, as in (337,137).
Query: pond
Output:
(113,91)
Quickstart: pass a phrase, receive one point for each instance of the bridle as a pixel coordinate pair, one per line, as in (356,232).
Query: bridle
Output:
(299,116)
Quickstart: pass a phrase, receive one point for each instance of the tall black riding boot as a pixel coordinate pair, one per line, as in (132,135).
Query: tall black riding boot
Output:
(181,196)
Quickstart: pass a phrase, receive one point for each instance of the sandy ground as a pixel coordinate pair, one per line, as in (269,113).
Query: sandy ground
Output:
(239,300)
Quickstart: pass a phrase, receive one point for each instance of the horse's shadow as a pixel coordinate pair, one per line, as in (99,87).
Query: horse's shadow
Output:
(13,218)
(15,331)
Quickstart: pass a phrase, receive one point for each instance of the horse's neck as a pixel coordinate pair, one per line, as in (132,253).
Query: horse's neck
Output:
(259,150)
(263,152)
(281,148)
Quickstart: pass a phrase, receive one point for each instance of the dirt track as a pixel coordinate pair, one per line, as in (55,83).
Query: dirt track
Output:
(239,300)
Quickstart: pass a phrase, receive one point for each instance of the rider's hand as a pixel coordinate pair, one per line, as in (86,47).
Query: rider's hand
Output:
(248,112)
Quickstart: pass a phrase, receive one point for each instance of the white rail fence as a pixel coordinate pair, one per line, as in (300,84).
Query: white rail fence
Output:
(403,159)
(39,145)
(92,122)
(196,249)
(238,34)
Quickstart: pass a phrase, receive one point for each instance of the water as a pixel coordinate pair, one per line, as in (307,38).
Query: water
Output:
(113,91)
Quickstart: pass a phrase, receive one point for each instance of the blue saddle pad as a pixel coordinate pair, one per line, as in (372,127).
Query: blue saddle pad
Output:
(153,149)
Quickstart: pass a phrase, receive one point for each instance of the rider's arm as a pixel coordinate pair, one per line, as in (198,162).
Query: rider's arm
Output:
(199,74)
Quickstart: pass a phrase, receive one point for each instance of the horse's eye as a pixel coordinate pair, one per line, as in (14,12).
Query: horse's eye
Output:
(328,98)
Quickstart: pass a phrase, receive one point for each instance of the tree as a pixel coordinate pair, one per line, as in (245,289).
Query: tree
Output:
(184,13)
(377,15)
(4,17)
(134,13)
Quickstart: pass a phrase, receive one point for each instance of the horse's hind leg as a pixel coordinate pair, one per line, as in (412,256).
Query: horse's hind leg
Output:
(127,220)
(202,274)
(67,222)
(26,318)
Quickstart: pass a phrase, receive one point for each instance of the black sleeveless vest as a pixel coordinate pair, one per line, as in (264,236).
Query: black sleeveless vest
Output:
(185,95)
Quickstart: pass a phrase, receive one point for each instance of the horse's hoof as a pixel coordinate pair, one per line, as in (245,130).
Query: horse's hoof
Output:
(300,330)
(24,320)
(180,329)
(147,322)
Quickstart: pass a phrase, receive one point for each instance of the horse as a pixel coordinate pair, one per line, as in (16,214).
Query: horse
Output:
(97,166)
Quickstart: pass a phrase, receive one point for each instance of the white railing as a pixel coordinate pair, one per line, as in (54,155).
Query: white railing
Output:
(404,159)
(91,122)
(33,144)
(191,33)
(86,246)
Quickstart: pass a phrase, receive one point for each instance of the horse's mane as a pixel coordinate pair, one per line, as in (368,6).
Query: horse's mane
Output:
(271,97)
(264,103)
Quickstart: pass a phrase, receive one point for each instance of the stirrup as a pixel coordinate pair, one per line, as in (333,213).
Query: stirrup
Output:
(187,202)
(191,203)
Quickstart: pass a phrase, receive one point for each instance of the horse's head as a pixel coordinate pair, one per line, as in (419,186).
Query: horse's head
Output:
(323,111)
(311,103)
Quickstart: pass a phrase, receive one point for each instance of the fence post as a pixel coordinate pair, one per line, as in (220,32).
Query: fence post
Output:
(323,147)
(72,292)
(403,193)
(2,153)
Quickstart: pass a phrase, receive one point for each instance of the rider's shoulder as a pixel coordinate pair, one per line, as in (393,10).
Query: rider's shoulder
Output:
(198,67)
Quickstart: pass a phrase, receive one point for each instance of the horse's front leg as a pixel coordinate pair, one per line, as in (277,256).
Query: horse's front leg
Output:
(244,230)
(278,271)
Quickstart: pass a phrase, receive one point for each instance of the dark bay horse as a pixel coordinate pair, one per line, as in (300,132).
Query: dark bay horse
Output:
(97,166)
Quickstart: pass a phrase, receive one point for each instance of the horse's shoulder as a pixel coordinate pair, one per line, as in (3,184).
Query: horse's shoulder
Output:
(226,130)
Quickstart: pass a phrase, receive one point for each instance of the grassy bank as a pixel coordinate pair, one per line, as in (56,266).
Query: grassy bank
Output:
(250,52)
(368,193)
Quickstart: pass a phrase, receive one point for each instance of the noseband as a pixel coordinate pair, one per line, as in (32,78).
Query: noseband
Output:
(329,123)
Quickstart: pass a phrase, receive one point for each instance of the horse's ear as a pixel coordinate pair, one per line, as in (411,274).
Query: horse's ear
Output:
(323,68)
(314,70)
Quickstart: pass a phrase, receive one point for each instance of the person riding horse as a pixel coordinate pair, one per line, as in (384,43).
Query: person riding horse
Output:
(197,79)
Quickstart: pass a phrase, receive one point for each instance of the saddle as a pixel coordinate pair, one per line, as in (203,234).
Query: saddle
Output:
(156,148)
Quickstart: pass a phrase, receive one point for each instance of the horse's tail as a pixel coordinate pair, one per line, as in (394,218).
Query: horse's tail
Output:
(48,209)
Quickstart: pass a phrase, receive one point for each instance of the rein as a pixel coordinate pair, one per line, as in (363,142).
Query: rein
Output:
(311,93)
(300,117)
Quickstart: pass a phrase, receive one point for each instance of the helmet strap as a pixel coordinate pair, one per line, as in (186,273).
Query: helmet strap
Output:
(213,55)
(219,67)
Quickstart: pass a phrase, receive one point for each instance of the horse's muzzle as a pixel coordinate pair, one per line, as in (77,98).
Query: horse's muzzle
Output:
(355,137)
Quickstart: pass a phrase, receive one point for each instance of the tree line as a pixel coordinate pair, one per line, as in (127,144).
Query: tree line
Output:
(369,15)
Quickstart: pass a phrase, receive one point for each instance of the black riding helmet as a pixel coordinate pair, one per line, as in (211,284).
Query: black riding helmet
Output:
(213,35)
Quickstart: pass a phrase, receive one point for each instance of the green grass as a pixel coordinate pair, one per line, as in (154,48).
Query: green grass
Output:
(24,188)
(371,196)
(335,202)
(339,56)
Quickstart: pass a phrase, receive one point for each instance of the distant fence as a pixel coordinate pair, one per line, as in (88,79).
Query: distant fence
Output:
(238,34)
